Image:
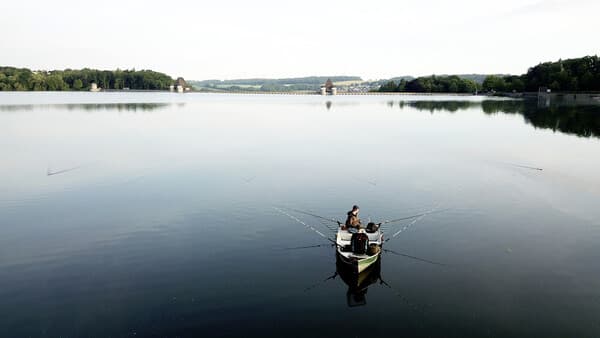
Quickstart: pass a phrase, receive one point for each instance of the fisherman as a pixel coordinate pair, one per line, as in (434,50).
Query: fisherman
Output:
(352,221)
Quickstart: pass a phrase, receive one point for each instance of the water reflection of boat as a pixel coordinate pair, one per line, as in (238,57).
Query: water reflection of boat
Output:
(358,284)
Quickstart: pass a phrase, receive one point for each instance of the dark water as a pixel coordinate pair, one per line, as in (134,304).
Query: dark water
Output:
(152,215)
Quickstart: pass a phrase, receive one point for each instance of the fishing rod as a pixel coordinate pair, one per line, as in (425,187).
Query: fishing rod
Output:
(405,227)
(417,217)
(307,247)
(305,224)
(380,223)
(326,223)
(321,218)
(420,217)
(314,215)
(330,228)
(413,216)
(526,167)
(51,173)
(370,182)
(521,166)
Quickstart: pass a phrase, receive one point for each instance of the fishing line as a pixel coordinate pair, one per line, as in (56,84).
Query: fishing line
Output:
(51,173)
(330,228)
(305,224)
(522,166)
(322,220)
(370,182)
(314,215)
(406,227)
(307,247)
(432,211)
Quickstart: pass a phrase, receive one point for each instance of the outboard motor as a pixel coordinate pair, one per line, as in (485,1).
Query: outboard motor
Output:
(359,243)
(372,227)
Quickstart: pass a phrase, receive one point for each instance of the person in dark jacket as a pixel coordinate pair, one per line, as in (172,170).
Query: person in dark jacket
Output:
(352,221)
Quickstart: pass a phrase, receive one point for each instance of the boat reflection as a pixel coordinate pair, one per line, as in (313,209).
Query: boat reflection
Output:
(358,284)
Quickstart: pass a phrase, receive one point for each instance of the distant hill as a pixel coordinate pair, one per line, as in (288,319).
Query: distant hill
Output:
(262,84)
(399,78)
(479,78)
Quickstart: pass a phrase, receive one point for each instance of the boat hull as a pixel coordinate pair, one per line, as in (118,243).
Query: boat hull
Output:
(357,264)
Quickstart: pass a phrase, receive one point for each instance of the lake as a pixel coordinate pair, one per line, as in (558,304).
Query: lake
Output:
(152,214)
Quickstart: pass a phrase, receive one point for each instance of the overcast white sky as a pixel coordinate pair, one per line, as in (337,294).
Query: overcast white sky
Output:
(273,38)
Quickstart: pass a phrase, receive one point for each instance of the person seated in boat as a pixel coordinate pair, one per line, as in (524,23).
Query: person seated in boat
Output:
(352,221)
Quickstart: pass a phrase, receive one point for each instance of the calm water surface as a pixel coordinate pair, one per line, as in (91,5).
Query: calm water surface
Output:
(144,214)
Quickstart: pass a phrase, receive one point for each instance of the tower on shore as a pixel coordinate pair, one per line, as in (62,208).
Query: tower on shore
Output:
(180,85)
(328,88)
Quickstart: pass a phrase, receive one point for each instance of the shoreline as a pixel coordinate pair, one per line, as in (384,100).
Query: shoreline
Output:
(588,95)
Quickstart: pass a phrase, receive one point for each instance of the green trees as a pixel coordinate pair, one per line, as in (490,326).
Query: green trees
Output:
(389,87)
(56,82)
(24,79)
(77,84)
(494,83)
(401,86)
(432,84)
(581,74)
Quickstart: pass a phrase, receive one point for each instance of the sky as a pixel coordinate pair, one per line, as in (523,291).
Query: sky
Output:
(230,39)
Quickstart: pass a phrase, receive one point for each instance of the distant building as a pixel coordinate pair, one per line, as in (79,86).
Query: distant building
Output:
(180,85)
(328,88)
(94,87)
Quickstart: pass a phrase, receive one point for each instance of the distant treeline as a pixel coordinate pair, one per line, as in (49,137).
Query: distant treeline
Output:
(270,85)
(479,78)
(432,84)
(285,81)
(582,74)
(23,79)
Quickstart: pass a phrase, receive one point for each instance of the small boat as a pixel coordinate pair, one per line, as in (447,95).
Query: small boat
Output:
(359,249)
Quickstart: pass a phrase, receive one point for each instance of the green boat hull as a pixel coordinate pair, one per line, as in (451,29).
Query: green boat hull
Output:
(358,265)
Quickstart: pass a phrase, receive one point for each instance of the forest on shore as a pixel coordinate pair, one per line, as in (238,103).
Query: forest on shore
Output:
(572,75)
(23,79)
